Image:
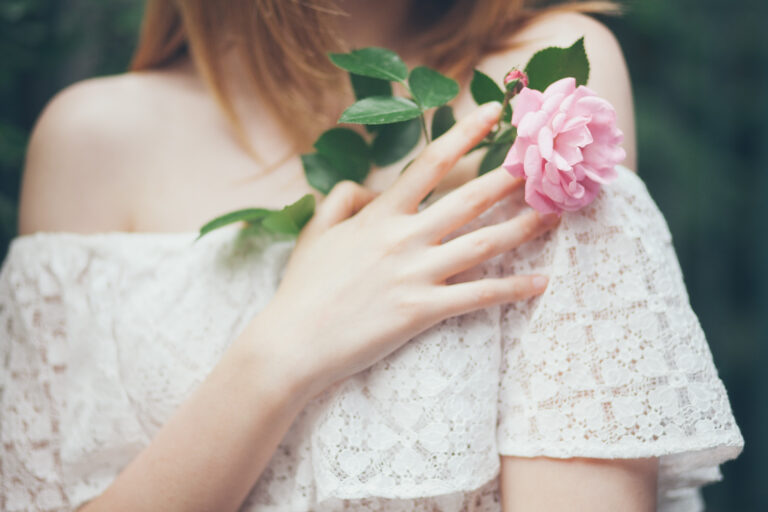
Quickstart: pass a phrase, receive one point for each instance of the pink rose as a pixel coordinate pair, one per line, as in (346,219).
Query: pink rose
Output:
(567,145)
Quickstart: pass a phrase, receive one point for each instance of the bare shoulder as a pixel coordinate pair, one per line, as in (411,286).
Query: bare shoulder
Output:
(609,76)
(84,151)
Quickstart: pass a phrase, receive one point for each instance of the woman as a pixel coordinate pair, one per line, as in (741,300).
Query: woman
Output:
(190,380)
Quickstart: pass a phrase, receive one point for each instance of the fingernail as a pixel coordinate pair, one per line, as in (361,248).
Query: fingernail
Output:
(490,111)
(540,282)
(550,219)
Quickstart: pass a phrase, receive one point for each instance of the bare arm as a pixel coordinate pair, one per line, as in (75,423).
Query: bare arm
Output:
(594,485)
(217,443)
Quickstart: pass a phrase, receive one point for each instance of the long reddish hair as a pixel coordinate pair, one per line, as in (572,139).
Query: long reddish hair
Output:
(283,46)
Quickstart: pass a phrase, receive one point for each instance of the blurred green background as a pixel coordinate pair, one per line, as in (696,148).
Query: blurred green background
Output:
(699,73)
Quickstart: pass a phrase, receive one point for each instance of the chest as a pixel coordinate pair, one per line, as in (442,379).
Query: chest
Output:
(199,171)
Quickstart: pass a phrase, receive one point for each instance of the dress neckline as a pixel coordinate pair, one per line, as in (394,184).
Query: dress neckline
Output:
(110,234)
(140,238)
(190,235)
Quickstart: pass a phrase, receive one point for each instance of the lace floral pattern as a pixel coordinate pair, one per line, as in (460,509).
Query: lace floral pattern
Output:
(105,334)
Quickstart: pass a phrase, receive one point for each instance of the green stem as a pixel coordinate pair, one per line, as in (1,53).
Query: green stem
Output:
(424,128)
(507,97)
(421,117)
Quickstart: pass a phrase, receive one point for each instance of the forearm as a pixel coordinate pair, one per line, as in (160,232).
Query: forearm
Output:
(217,443)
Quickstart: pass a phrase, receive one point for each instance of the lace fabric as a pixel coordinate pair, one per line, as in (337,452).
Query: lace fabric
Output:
(104,335)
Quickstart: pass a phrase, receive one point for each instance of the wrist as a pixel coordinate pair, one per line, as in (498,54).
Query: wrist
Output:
(270,355)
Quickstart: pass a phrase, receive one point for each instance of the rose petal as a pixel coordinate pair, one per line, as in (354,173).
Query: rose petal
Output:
(600,110)
(576,190)
(546,142)
(565,106)
(551,173)
(552,184)
(551,103)
(539,202)
(563,86)
(603,175)
(606,133)
(558,122)
(576,122)
(570,154)
(531,124)
(603,155)
(560,162)
(532,162)
(512,162)
(578,136)
(529,100)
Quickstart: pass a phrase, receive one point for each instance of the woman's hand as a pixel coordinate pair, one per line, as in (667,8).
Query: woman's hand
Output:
(357,287)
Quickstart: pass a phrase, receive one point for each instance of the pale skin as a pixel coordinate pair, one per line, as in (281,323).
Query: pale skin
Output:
(170,164)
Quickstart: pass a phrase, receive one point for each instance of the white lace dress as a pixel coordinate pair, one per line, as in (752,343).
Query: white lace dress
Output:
(104,335)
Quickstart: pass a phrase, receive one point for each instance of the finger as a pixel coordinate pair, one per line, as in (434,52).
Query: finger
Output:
(475,247)
(460,298)
(439,157)
(466,202)
(344,200)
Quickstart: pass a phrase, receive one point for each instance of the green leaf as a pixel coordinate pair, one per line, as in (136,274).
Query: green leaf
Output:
(365,86)
(320,172)
(442,121)
(430,88)
(506,135)
(247,214)
(341,154)
(494,157)
(394,141)
(291,218)
(347,151)
(380,110)
(552,64)
(373,62)
(485,90)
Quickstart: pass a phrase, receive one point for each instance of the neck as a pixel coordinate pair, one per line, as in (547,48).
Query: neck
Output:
(368,23)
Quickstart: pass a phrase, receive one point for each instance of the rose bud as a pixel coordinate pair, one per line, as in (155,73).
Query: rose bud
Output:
(515,81)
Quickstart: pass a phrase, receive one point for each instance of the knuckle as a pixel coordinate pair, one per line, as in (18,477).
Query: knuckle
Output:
(525,227)
(475,198)
(432,156)
(396,242)
(483,247)
(517,287)
(345,195)
(345,188)
(469,127)
(485,295)
(528,227)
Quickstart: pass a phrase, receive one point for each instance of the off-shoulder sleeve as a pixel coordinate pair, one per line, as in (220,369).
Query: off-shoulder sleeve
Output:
(102,336)
(56,308)
(611,361)
(32,353)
